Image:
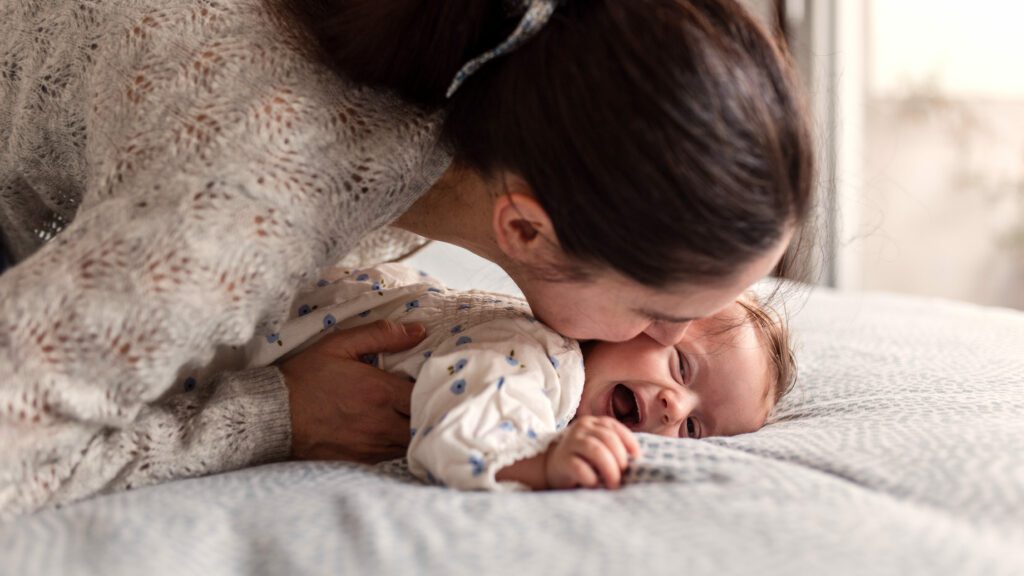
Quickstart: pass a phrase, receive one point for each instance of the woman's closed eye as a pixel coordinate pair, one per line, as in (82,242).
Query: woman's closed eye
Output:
(679,368)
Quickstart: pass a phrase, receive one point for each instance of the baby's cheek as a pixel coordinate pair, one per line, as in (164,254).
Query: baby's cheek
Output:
(592,391)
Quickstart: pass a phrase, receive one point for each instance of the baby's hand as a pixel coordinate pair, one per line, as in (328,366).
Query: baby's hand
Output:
(594,451)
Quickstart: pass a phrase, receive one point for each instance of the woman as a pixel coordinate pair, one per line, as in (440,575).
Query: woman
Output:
(632,165)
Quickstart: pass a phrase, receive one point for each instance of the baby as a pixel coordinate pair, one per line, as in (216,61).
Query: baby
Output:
(501,401)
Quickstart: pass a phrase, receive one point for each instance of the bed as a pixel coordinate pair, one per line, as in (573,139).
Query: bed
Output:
(900,451)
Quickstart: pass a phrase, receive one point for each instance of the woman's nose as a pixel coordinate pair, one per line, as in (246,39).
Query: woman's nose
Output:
(667,333)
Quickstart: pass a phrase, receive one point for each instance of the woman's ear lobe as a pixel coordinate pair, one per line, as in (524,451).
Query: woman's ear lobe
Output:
(522,228)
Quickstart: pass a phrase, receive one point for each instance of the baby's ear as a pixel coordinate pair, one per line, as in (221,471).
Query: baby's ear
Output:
(522,227)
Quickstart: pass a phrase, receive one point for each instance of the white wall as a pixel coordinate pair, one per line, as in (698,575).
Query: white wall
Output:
(461,269)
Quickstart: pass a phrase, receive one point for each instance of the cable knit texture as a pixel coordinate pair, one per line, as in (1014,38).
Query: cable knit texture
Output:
(194,165)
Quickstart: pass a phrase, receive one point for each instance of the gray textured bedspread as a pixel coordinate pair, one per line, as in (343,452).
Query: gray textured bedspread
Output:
(901,451)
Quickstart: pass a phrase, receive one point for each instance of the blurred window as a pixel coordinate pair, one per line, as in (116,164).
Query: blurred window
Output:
(942,194)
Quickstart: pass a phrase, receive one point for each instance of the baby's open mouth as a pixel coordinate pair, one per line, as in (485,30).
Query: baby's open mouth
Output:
(624,406)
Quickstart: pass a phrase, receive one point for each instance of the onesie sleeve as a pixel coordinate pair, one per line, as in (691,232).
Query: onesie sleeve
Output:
(490,396)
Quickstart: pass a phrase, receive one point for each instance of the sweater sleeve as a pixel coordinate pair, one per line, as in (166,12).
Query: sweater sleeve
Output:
(224,168)
(240,420)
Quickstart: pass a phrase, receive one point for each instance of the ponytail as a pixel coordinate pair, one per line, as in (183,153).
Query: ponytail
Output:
(412,47)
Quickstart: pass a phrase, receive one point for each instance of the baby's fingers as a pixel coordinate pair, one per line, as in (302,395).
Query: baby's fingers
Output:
(615,444)
(582,474)
(601,459)
(629,440)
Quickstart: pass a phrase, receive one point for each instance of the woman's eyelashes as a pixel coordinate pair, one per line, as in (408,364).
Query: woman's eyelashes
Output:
(679,370)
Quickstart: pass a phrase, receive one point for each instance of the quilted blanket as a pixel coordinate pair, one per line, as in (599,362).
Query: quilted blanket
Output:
(900,451)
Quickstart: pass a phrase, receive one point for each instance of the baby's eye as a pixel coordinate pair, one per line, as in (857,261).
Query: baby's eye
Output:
(691,428)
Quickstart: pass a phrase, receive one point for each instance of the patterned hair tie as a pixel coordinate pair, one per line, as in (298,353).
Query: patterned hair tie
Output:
(537,14)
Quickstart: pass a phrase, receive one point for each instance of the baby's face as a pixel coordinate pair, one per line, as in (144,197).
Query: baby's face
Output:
(714,382)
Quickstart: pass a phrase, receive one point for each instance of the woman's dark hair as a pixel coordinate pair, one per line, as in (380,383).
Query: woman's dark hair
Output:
(664,138)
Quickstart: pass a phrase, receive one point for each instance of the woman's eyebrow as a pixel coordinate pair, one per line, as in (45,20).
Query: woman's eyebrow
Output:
(664,317)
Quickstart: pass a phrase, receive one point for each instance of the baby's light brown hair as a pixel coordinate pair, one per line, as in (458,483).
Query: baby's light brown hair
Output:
(773,332)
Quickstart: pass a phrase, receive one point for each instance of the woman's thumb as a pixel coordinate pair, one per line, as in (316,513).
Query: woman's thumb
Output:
(381,336)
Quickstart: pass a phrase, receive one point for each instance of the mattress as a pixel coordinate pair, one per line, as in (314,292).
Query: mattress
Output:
(899,451)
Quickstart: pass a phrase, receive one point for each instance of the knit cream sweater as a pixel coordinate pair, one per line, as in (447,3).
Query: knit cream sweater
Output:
(194,166)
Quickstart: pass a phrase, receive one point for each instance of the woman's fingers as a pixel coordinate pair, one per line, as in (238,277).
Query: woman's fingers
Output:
(344,409)
(381,336)
(398,433)
(401,396)
(395,391)
(395,451)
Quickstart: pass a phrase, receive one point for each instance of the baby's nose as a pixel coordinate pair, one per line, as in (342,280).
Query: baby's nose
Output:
(671,407)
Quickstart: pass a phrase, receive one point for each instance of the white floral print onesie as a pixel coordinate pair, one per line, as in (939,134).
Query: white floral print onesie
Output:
(493,385)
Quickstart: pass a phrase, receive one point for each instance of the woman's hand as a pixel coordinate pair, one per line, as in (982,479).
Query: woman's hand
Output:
(344,409)
(593,452)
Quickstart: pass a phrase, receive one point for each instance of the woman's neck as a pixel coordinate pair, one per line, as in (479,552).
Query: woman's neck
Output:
(457,209)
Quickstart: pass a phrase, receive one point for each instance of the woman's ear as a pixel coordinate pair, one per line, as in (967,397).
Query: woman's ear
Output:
(522,228)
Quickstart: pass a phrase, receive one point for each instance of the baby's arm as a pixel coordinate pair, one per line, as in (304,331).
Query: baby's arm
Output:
(593,452)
